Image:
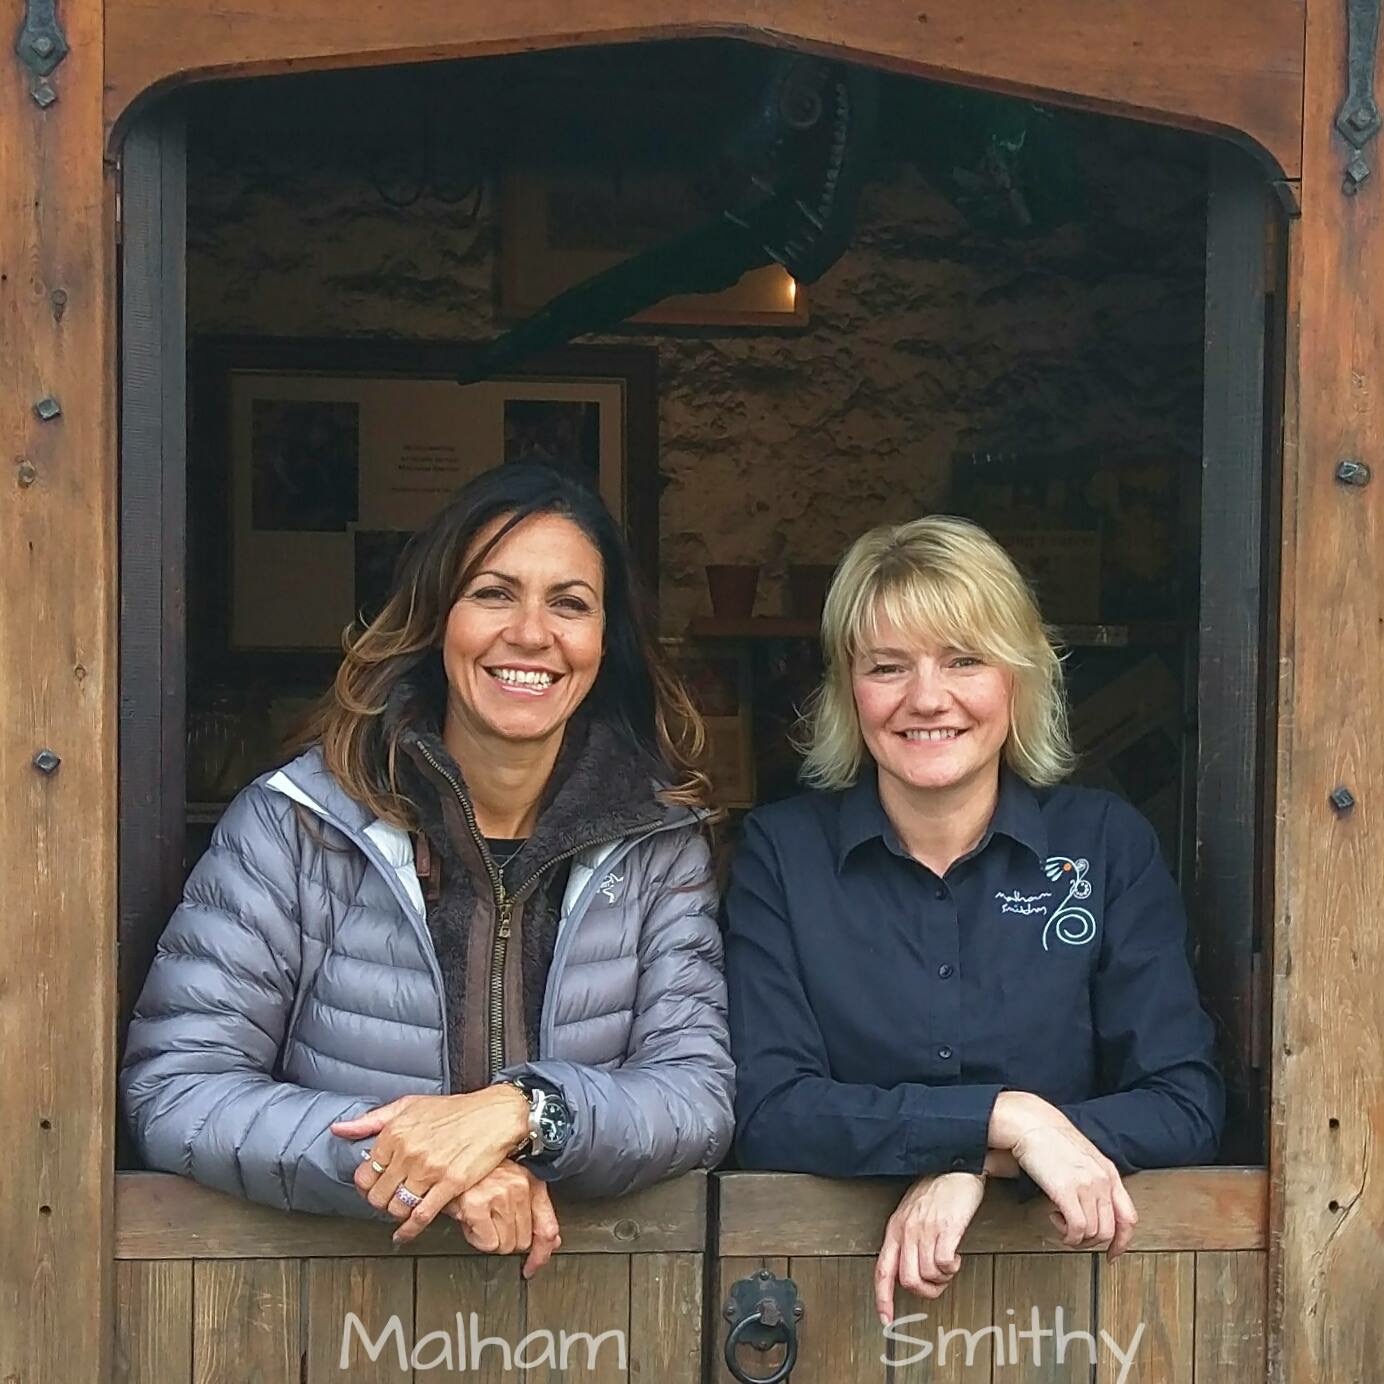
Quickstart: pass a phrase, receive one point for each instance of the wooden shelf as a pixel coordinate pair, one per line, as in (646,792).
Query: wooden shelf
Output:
(1073,636)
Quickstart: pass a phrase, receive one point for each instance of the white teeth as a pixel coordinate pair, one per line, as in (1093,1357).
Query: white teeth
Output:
(931,734)
(518,678)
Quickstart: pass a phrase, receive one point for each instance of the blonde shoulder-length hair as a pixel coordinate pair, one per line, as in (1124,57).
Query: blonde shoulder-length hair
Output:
(946,580)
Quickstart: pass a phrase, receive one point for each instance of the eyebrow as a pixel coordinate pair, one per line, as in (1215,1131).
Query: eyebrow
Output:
(514,581)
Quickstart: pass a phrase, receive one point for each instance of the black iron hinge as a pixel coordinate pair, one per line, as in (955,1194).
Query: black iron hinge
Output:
(1358,119)
(41,46)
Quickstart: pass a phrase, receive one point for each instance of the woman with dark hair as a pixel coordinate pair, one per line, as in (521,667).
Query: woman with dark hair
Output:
(465,944)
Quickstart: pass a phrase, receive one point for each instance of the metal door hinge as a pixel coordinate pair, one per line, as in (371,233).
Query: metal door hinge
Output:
(1358,119)
(41,46)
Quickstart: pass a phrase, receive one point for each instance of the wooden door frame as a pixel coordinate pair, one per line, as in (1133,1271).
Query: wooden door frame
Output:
(58,568)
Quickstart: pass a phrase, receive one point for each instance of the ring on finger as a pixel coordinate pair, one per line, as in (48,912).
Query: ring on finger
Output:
(402,1193)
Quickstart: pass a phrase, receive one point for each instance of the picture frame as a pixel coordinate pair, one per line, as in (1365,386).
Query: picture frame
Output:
(313,460)
(560,227)
(718,679)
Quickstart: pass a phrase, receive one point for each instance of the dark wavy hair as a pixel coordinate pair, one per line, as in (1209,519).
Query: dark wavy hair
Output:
(635,692)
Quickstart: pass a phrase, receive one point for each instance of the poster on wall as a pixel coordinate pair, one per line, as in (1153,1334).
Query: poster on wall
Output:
(331,471)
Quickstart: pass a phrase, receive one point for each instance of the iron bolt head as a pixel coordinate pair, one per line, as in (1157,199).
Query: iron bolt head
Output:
(1351,472)
(48,408)
(626,1230)
(1363,117)
(27,474)
(43,46)
(1342,799)
(46,762)
(43,94)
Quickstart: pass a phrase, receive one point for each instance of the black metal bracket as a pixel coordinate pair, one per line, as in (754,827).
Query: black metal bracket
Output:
(1358,119)
(41,46)
(764,1312)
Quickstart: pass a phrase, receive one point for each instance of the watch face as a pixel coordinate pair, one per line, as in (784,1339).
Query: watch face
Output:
(555,1122)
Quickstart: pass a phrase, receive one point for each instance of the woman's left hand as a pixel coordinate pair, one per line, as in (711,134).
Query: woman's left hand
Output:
(436,1147)
(922,1238)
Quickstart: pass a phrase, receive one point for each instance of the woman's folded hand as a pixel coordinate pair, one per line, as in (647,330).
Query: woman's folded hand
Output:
(923,1236)
(434,1148)
(1094,1211)
(507,1211)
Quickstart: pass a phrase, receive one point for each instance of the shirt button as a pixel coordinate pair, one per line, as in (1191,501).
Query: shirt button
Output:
(944,1053)
(941,891)
(945,971)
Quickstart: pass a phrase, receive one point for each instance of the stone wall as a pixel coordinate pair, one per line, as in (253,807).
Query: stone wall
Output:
(928,339)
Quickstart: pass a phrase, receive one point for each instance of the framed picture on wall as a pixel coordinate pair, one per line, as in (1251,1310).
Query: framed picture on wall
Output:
(559,227)
(314,462)
(717,677)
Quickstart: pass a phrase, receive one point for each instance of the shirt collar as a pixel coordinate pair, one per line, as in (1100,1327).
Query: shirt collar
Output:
(1018,815)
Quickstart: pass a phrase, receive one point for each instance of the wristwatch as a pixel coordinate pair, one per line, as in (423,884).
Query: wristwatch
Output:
(550,1121)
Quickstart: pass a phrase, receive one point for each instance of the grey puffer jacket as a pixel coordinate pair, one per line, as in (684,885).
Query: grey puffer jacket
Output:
(297,984)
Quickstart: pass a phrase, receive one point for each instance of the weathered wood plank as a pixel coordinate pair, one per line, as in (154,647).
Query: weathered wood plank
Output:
(576,1301)
(790,1214)
(159,1216)
(1037,1293)
(246,1326)
(840,1335)
(1328,947)
(1215,65)
(953,1343)
(479,1303)
(1229,730)
(58,587)
(1230,1317)
(1147,1305)
(729,1271)
(153,1303)
(375,1293)
(666,1318)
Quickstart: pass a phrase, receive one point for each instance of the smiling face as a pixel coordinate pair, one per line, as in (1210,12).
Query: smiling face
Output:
(523,642)
(933,718)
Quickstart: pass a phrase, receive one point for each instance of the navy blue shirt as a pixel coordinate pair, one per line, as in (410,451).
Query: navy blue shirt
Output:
(877,1011)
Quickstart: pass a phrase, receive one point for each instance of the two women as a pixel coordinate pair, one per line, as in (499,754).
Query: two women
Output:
(943,965)
(466,944)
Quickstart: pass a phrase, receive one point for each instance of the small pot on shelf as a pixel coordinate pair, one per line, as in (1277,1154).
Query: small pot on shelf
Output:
(732,588)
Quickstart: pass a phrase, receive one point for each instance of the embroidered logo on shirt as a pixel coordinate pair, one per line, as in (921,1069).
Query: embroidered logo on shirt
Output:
(607,885)
(1016,902)
(1075,926)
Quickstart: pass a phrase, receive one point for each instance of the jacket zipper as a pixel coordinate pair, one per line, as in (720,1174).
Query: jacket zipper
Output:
(504,908)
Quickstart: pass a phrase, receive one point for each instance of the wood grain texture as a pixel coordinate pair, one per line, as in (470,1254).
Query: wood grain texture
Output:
(577,1300)
(153,1306)
(58,591)
(1146,1304)
(1046,1292)
(840,1337)
(378,1292)
(1328,1041)
(485,1288)
(1230,1306)
(1207,64)
(159,1216)
(791,1214)
(666,1318)
(246,1321)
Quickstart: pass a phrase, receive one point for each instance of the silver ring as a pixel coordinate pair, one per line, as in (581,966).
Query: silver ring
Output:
(378,1167)
(409,1199)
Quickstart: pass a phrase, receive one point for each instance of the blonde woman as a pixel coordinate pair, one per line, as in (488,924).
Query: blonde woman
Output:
(465,945)
(943,964)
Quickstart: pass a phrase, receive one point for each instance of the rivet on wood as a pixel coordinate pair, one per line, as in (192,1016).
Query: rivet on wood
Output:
(46,762)
(26,474)
(58,298)
(626,1230)
(43,93)
(1352,472)
(1342,799)
(48,408)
